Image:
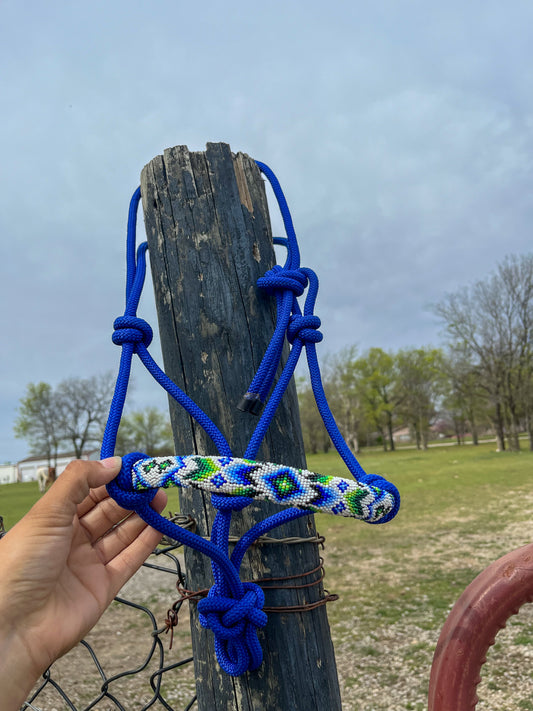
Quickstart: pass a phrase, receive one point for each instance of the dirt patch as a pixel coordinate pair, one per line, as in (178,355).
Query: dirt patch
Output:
(383,647)
(126,656)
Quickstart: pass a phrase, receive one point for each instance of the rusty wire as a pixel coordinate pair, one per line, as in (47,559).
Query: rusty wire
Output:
(265,584)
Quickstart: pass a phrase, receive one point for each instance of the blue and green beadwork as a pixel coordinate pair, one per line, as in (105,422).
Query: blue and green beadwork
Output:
(277,483)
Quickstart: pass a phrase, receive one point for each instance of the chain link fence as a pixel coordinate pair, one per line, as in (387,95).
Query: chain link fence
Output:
(136,657)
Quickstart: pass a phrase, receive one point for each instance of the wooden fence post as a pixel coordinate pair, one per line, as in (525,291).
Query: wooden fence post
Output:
(209,240)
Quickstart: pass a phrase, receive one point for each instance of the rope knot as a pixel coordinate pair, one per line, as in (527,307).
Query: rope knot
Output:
(280,279)
(305,328)
(130,329)
(235,624)
(121,488)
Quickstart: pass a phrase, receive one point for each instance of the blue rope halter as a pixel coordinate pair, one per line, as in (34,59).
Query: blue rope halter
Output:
(233,610)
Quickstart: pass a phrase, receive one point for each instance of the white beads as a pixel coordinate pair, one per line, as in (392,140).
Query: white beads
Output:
(280,484)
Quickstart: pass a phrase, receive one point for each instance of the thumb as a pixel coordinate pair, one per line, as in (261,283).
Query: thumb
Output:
(73,486)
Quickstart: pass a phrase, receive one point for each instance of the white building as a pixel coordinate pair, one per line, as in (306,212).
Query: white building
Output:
(27,468)
(8,473)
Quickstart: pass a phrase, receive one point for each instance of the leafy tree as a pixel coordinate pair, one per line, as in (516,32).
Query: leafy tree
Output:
(146,431)
(377,376)
(311,422)
(37,421)
(345,397)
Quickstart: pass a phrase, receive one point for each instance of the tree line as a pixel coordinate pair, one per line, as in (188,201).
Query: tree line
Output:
(374,394)
(480,380)
(72,417)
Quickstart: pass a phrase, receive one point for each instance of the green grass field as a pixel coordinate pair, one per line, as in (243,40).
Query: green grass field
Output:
(462,507)
(438,480)
(16,499)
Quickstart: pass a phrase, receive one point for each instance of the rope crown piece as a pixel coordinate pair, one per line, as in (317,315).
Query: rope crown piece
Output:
(233,610)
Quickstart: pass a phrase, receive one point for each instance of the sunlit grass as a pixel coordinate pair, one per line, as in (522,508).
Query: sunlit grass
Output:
(16,500)
(462,508)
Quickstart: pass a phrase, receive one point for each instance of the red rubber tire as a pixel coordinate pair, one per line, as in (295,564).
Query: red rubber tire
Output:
(471,628)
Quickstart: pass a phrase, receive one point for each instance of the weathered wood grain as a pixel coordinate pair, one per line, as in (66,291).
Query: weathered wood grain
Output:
(209,240)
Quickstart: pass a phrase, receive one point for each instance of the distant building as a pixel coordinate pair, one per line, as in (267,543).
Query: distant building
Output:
(401,434)
(27,468)
(8,473)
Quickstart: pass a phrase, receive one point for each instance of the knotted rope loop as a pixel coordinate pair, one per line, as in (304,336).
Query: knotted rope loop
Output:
(121,488)
(280,279)
(131,329)
(382,483)
(235,624)
(305,328)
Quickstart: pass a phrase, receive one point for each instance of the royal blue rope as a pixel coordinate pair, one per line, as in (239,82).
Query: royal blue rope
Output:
(232,609)
(135,335)
(283,282)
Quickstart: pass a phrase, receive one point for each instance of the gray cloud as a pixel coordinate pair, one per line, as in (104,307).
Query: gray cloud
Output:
(401,131)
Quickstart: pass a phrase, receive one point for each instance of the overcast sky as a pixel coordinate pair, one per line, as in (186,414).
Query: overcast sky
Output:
(402,133)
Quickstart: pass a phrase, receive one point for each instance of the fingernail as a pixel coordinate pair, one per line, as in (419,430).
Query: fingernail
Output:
(111,462)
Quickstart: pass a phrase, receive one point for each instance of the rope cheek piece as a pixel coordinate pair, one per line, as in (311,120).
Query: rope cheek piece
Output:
(233,609)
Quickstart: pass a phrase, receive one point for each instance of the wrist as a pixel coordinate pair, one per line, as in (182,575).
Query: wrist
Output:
(18,672)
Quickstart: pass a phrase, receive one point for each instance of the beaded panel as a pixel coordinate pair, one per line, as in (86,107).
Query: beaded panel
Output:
(277,483)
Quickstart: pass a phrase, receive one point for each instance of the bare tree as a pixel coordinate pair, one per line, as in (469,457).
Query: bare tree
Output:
(465,398)
(492,321)
(82,405)
(344,396)
(419,385)
(516,274)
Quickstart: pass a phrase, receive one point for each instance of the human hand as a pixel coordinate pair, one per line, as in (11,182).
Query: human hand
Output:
(60,567)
